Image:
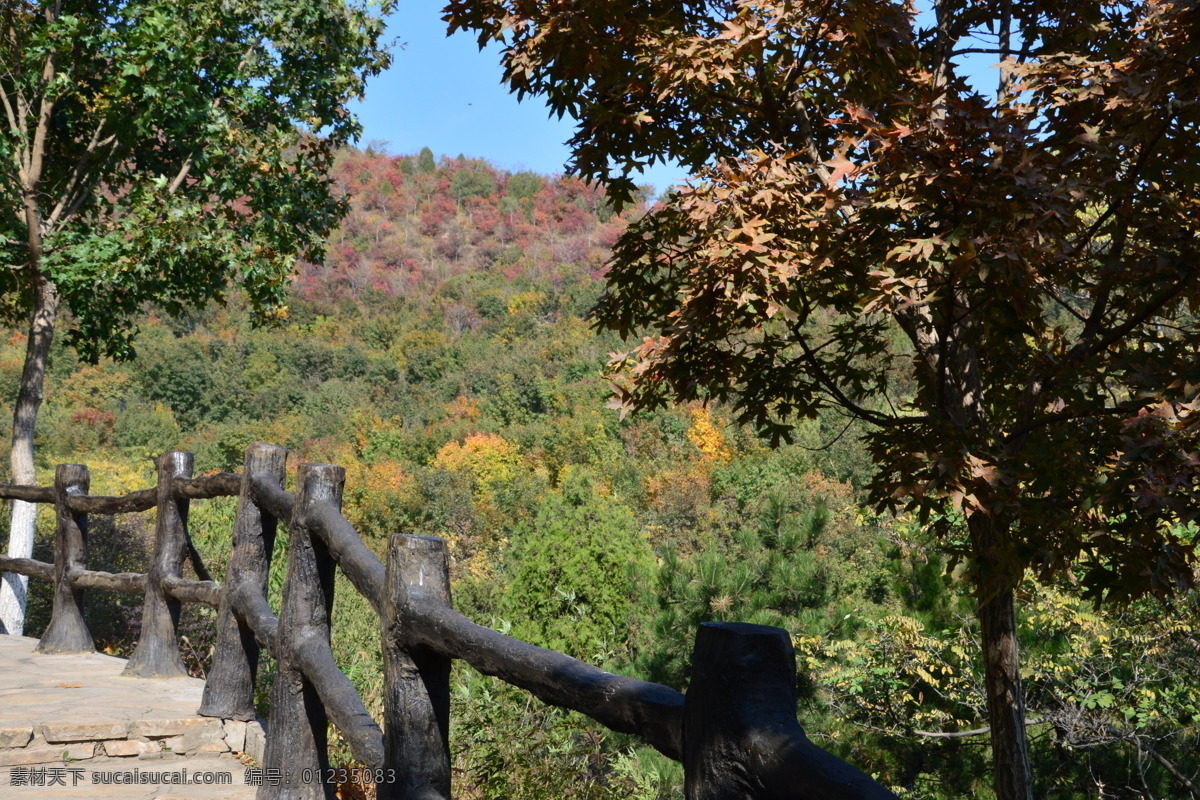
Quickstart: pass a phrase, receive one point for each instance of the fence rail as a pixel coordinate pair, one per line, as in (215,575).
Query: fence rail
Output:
(735,730)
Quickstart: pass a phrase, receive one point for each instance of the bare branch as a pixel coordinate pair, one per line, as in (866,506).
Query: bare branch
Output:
(75,181)
(1171,768)
(818,371)
(1006,74)
(181,176)
(1061,303)
(986,729)
(9,112)
(37,150)
(832,441)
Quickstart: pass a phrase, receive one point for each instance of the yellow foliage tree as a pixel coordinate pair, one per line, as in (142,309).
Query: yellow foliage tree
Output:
(489,460)
(707,438)
(375,492)
(486,457)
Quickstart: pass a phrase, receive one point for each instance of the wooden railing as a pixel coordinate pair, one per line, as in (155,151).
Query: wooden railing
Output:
(735,731)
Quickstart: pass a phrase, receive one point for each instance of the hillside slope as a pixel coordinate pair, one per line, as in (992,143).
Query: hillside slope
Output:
(442,355)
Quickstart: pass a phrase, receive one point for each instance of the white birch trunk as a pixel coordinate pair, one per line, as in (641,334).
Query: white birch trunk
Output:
(12,591)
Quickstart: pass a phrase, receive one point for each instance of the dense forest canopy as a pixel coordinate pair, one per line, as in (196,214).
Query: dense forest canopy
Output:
(440,352)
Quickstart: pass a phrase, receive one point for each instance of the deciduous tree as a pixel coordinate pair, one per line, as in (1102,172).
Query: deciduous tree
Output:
(156,151)
(999,280)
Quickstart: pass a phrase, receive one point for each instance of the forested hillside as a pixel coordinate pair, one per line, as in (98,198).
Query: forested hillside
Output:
(442,354)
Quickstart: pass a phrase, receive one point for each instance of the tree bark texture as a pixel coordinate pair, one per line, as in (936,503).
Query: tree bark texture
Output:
(34,494)
(223,484)
(298,731)
(741,737)
(252,609)
(67,632)
(25,411)
(229,690)
(1001,659)
(157,652)
(204,593)
(416,679)
(1005,697)
(271,498)
(141,500)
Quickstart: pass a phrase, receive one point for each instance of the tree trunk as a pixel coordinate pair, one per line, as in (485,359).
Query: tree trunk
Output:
(29,400)
(1002,675)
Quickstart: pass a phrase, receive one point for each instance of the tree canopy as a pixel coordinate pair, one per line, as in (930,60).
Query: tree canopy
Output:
(1001,282)
(159,151)
(168,149)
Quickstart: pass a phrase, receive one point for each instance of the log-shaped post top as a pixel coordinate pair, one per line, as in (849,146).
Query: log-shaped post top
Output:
(157,651)
(297,738)
(421,565)
(72,479)
(728,651)
(177,463)
(319,483)
(741,737)
(263,457)
(416,679)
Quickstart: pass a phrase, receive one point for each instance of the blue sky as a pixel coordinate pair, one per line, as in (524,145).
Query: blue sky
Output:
(444,94)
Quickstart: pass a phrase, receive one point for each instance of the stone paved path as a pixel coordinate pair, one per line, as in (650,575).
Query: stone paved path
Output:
(71,727)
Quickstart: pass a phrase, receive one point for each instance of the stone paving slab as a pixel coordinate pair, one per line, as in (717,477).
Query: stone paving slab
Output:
(77,712)
(83,688)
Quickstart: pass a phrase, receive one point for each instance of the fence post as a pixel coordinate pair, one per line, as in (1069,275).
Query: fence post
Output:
(416,681)
(157,652)
(740,734)
(298,728)
(229,689)
(67,632)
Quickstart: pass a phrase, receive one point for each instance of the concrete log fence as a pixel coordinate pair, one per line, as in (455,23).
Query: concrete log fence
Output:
(735,730)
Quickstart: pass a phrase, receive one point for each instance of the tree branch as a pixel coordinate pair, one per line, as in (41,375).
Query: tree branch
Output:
(22,109)
(964,734)
(1171,768)
(182,175)
(1124,183)
(807,141)
(1152,307)
(831,442)
(831,386)
(9,112)
(37,150)
(66,197)
(1020,432)
(1002,92)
